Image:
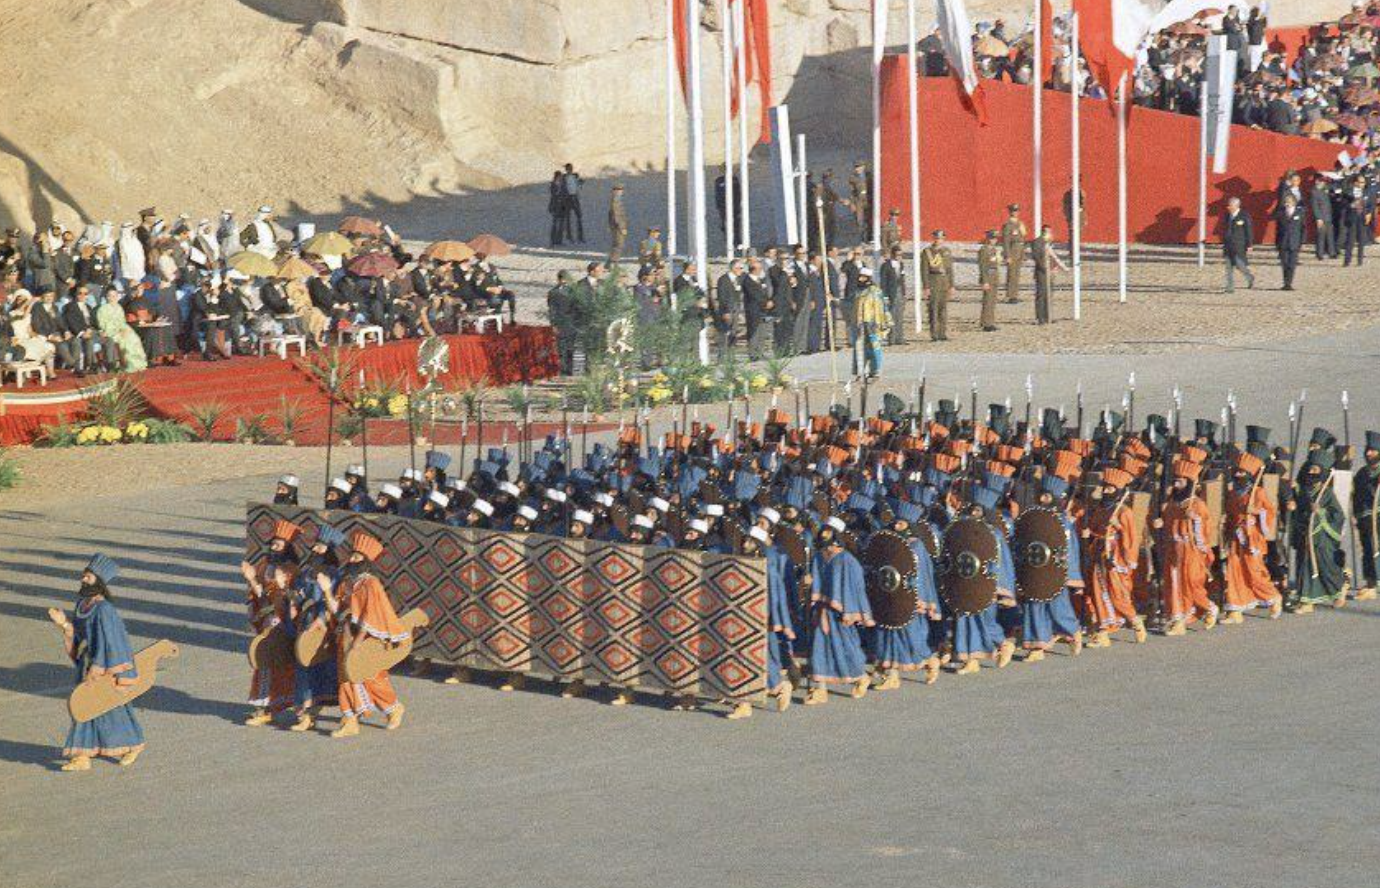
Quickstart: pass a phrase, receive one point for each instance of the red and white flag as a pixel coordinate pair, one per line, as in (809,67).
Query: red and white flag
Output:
(956,34)
(757,36)
(1109,33)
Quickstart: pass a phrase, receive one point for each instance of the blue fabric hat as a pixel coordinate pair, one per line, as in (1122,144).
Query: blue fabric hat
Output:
(487,467)
(104,567)
(1055,485)
(908,512)
(329,536)
(498,455)
(936,478)
(649,466)
(859,503)
(543,459)
(767,460)
(870,489)
(532,472)
(799,492)
(824,468)
(745,486)
(997,482)
(437,460)
(688,484)
(986,497)
(928,497)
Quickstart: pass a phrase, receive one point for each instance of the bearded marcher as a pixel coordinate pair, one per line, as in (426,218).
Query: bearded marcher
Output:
(1187,557)
(1113,553)
(1315,532)
(317,685)
(781,631)
(270,581)
(96,641)
(979,636)
(1045,622)
(839,607)
(362,610)
(1365,510)
(1250,520)
(910,648)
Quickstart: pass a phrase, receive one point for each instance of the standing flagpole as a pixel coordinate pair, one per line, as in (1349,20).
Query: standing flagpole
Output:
(1075,195)
(671,134)
(802,196)
(878,50)
(699,236)
(744,192)
(1202,175)
(912,90)
(1037,91)
(1121,186)
(726,24)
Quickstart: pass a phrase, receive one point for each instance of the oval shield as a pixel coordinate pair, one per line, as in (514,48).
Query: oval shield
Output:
(889,565)
(967,571)
(1041,555)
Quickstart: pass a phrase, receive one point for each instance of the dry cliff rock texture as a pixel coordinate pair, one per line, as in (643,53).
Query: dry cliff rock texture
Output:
(336,104)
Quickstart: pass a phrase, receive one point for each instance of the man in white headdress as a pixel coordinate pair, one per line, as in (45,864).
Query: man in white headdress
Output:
(228,234)
(205,246)
(260,235)
(129,255)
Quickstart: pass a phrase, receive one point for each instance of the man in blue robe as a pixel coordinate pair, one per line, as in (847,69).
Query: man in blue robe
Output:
(979,636)
(96,641)
(316,685)
(909,648)
(840,607)
(1045,622)
(781,588)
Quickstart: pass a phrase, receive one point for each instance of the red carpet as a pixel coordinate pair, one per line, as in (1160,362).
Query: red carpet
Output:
(521,353)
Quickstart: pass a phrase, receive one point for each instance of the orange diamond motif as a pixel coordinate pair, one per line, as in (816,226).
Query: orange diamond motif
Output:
(672,575)
(647,639)
(617,613)
(675,665)
(560,608)
(732,629)
(732,673)
(616,569)
(561,652)
(474,619)
(558,563)
(502,557)
(505,644)
(475,576)
(675,621)
(588,633)
(503,602)
(733,582)
(617,657)
(703,646)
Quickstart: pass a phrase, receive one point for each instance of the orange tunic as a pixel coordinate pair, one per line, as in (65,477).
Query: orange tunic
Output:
(1113,551)
(1187,557)
(1249,518)
(367,611)
(271,689)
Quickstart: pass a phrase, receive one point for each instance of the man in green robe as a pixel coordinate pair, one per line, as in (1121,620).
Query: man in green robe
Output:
(1315,532)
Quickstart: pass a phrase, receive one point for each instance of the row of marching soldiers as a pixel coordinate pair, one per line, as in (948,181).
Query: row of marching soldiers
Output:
(1144,548)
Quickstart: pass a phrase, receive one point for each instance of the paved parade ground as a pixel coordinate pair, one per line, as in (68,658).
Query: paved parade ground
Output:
(1243,756)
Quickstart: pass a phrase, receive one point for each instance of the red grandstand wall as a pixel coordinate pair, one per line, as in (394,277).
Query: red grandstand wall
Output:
(970,173)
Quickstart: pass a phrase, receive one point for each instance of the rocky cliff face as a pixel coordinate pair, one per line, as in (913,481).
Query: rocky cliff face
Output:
(342,105)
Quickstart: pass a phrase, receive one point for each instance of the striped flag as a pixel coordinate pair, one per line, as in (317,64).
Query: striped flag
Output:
(956,35)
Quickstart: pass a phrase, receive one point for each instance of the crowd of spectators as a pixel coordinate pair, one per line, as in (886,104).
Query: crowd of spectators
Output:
(104,299)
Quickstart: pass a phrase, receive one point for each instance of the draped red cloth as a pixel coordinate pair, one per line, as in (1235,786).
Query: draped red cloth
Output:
(520,353)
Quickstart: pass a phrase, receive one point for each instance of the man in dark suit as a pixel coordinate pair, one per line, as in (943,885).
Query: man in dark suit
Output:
(1289,233)
(759,309)
(728,304)
(1354,225)
(47,323)
(1238,234)
(892,279)
(1320,203)
(80,320)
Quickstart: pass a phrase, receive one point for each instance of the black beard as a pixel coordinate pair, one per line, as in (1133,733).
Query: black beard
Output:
(88,590)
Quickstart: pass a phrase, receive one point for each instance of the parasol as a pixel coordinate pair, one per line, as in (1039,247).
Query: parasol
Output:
(372,265)
(1319,127)
(358,225)
(295,268)
(253,264)
(328,243)
(449,251)
(490,245)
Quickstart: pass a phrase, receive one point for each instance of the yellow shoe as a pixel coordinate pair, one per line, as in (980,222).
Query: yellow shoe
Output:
(349,727)
(889,681)
(304,723)
(1005,652)
(969,668)
(1367,594)
(1305,608)
(258,718)
(783,696)
(130,757)
(1176,628)
(1235,618)
(395,718)
(1138,625)
(459,676)
(860,688)
(77,763)
(621,698)
(1076,643)
(1340,601)
(931,671)
(1277,608)
(740,710)
(573,690)
(1034,656)
(817,696)
(514,682)
(1210,620)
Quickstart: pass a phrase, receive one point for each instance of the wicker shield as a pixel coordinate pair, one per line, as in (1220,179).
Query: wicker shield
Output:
(890,566)
(967,571)
(1041,555)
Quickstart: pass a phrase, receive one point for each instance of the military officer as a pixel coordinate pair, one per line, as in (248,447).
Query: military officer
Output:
(1042,250)
(936,280)
(618,225)
(1013,243)
(891,232)
(989,276)
(860,198)
(561,311)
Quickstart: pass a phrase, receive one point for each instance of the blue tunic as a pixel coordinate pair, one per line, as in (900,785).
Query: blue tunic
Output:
(909,647)
(1008,609)
(840,605)
(1043,621)
(319,684)
(99,639)
(781,589)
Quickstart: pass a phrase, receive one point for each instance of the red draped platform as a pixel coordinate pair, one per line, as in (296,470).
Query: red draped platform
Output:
(519,354)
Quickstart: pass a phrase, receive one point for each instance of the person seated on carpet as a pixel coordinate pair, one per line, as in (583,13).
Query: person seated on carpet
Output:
(110,317)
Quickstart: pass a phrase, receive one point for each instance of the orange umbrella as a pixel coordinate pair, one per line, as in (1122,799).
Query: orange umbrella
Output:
(490,245)
(372,265)
(361,226)
(449,251)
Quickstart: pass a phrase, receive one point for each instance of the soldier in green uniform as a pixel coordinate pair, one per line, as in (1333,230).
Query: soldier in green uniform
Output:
(618,225)
(989,278)
(1042,251)
(936,280)
(1365,511)
(860,199)
(1315,532)
(649,252)
(891,232)
(1013,239)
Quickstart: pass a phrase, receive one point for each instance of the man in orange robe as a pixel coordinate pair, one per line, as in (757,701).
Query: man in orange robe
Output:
(1250,519)
(1113,551)
(363,610)
(1183,524)
(271,689)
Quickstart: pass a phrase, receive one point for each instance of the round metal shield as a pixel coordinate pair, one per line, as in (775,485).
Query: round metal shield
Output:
(889,565)
(1041,555)
(967,572)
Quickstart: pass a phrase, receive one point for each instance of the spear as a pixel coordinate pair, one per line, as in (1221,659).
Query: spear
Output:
(1357,576)
(1178,397)
(364,427)
(1131,405)
(411,430)
(1295,420)
(1231,418)
(1079,396)
(479,442)
(584,435)
(330,427)
(464,442)
(1030,396)
(972,410)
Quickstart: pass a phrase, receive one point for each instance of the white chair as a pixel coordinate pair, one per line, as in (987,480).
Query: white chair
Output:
(24,370)
(281,344)
(482,321)
(361,335)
